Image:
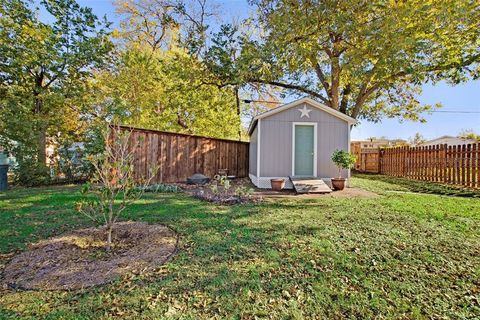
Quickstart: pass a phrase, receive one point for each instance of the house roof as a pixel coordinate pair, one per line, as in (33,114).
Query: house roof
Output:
(463,140)
(295,103)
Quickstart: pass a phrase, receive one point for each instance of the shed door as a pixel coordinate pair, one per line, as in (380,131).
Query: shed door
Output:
(304,150)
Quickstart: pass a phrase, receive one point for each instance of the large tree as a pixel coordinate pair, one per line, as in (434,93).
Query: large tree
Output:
(165,90)
(165,42)
(164,24)
(367,59)
(43,66)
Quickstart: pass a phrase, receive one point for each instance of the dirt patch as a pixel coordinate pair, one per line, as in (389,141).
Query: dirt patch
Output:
(345,193)
(79,259)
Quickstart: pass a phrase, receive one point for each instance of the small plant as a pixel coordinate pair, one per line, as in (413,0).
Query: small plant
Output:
(343,160)
(214,188)
(225,183)
(244,192)
(113,186)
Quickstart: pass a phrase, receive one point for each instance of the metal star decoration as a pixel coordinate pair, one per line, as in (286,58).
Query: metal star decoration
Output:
(305,112)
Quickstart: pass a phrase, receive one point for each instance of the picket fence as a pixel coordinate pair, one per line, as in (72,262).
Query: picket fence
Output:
(457,165)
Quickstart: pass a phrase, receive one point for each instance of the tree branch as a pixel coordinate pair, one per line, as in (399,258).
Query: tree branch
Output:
(321,77)
(335,88)
(293,87)
(345,98)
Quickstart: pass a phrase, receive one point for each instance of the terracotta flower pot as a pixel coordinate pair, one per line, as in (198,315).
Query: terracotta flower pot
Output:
(338,183)
(277,184)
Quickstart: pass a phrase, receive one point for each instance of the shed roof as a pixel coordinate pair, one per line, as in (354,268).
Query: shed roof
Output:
(295,103)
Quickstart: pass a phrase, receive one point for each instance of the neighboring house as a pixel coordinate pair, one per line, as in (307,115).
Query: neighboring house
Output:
(74,151)
(297,140)
(366,152)
(448,140)
(7,157)
(374,143)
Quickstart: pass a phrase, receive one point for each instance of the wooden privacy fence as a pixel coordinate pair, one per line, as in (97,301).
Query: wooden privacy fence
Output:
(367,160)
(456,165)
(178,156)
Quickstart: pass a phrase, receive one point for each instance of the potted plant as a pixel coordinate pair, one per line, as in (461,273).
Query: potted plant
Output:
(343,160)
(277,184)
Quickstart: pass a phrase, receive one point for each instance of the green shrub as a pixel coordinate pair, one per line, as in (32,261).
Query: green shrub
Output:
(27,170)
(31,174)
(70,164)
(343,160)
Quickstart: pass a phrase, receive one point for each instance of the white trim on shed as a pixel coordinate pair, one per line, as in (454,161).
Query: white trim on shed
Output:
(258,146)
(315,158)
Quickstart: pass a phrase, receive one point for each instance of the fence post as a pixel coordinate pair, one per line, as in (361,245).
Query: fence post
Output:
(402,161)
(409,161)
(415,163)
(380,160)
(419,163)
(468,165)
(462,165)
(429,172)
(448,167)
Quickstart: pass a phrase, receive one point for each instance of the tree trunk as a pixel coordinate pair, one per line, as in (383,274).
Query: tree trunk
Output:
(41,132)
(237,101)
(335,87)
(42,145)
(109,236)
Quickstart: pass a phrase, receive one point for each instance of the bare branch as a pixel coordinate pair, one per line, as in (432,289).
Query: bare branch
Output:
(293,87)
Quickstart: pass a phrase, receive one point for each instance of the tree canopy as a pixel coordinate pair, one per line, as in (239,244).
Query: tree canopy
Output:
(164,90)
(367,59)
(42,70)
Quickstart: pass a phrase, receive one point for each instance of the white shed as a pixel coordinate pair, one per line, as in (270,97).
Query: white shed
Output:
(297,140)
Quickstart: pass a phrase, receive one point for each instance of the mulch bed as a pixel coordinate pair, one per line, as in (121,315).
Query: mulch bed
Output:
(226,199)
(79,259)
(205,193)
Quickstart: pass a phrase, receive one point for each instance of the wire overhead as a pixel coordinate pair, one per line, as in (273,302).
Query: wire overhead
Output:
(437,111)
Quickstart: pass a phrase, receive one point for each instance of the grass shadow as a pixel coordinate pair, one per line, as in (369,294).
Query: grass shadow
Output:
(387,183)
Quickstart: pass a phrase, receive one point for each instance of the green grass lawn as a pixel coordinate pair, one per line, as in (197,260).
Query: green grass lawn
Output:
(400,255)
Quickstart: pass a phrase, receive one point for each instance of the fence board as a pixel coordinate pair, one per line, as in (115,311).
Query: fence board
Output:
(467,166)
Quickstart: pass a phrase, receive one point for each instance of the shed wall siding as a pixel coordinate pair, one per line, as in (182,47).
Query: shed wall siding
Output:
(276,141)
(253,153)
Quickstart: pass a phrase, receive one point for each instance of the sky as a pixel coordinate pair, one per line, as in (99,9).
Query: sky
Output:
(461,103)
